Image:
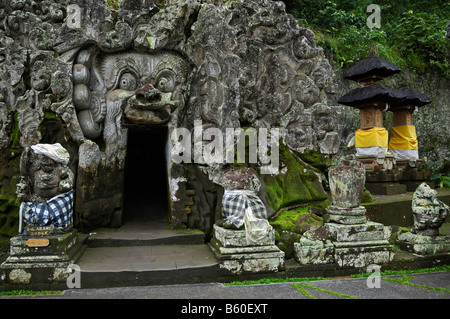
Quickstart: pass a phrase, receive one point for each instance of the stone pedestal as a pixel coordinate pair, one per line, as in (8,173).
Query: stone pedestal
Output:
(237,257)
(347,238)
(347,216)
(314,248)
(41,259)
(360,245)
(424,245)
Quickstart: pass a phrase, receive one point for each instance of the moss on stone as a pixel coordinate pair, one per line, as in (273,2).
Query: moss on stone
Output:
(9,215)
(296,183)
(286,220)
(15,134)
(297,221)
(366,197)
(290,226)
(315,159)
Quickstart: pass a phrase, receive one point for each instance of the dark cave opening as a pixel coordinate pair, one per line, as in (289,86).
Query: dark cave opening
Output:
(146,186)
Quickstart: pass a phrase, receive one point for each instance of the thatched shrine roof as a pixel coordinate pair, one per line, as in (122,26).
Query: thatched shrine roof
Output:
(373,94)
(371,68)
(410,97)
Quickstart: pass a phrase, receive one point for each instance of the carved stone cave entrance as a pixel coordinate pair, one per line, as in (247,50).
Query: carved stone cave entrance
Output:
(146,180)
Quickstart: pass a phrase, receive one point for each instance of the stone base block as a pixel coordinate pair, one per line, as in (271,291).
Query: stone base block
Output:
(28,275)
(424,245)
(39,261)
(355,233)
(239,260)
(347,216)
(237,257)
(237,238)
(363,254)
(315,252)
(39,249)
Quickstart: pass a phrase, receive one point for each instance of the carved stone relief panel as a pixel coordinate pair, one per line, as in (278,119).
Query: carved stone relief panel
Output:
(132,87)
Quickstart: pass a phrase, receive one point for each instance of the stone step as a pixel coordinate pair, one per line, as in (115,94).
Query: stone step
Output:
(147,265)
(144,237)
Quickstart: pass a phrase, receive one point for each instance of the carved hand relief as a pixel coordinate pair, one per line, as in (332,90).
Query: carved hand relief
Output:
(145,88)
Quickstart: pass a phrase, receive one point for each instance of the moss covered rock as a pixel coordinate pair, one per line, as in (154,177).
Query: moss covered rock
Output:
(9,203)
(296,183)
(285,241)
(291,224)
(366,197)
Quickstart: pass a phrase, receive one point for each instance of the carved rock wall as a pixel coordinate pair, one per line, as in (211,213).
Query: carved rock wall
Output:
(88,72)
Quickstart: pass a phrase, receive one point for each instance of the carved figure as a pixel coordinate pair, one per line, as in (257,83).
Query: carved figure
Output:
(45,188)
(429,213)
(242,206)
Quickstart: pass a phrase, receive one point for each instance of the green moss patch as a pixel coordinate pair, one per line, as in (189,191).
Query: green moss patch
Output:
(290,225)
(296,183)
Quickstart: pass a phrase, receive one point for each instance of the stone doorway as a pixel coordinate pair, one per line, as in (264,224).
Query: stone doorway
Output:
(146,187)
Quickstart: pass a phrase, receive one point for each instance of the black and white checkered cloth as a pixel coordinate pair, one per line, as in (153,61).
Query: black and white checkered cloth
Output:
(235,204)
(57,211)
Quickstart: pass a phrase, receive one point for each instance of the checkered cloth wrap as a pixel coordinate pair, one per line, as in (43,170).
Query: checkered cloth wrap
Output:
(244,206)
(57,211)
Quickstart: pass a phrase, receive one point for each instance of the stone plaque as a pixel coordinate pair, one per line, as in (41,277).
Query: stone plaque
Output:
(38,242)
(39,230)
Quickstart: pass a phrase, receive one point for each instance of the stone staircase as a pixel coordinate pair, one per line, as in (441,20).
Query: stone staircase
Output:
(140,254)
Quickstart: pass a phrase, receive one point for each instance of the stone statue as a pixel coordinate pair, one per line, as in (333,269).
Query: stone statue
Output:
(46,186)
(241,205)
(429,213)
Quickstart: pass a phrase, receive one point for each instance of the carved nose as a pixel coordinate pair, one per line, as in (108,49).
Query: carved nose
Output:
(148,94)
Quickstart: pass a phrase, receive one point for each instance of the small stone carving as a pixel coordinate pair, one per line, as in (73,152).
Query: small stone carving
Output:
(429,213)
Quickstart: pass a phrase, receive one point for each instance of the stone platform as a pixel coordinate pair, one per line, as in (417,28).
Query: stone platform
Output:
(42,260)
(424,245)
(237,257)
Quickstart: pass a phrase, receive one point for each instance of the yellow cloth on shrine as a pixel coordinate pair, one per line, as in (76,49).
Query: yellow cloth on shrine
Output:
(376,136)
(404,138)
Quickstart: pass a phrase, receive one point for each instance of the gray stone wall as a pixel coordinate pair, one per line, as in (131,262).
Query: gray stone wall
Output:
(67,67)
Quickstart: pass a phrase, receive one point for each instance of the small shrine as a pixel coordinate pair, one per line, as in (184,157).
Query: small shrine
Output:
(391,164)
(403,142)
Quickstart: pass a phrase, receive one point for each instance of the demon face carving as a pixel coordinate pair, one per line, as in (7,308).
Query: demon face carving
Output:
(145,88)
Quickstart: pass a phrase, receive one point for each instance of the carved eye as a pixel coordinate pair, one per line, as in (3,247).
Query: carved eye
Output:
(165,82)
(127,82)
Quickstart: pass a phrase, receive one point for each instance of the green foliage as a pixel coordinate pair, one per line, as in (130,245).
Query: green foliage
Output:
(29,292)
(271,280)
(301,288)
(442,180)
(412,33)
(405,271)
(114,4)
